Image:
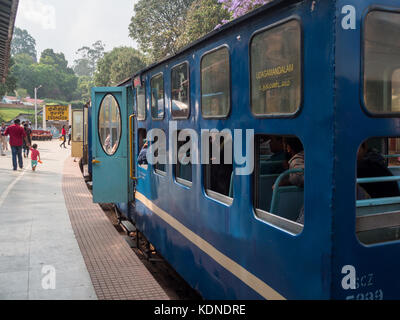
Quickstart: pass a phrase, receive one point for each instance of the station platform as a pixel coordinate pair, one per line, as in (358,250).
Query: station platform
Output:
(55,244)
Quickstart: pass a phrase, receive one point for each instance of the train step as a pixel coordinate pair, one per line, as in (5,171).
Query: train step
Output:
(128,226)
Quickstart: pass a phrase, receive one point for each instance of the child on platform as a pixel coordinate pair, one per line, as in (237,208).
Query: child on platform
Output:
(34,156)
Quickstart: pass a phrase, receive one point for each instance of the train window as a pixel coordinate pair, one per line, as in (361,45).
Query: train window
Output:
(157,97)
(276,70)
(180,91)
(396,90)
(141,103)
(142,147)
(218,173)
(279,181)
(77,126)
(183,167)
(109,124)
(381,62)
(160,167)
(215,84)
(378,191)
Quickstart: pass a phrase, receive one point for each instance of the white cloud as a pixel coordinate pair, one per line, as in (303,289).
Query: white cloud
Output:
(36,11)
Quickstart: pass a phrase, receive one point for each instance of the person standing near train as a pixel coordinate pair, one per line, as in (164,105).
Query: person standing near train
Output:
(69,135)
(17,136)
(3,139)
(63,134)
(28,132)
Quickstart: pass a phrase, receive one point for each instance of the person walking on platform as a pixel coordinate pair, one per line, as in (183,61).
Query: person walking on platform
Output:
(69,135)
(63,134)
(28,138)
(35,156)
(3,139)
(17,136)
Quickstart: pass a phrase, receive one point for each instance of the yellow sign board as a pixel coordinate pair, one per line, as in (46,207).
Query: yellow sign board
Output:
(57,113)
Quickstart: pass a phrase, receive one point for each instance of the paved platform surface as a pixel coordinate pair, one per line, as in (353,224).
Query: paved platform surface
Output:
(49,225)
(116,271)
(38,247)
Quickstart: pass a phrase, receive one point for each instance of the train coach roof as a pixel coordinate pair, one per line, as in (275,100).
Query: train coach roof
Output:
(223,28)
(8,12)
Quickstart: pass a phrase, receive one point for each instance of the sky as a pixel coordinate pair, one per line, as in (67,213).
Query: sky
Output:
(67,25)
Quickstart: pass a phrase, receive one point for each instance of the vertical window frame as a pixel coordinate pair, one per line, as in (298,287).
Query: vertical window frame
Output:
(301,102)
(373,8)
(145,103)
(151,96)
(214,195)
(120,124)
(179,180)
(276,221)
(224,46)
(189,99)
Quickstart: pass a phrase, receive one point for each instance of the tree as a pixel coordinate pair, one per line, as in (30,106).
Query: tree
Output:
(117,65)
(157,24)
(85,83)
(57,60)
(58,81)
(86,64)
(202,17)
(23,42)
(240,7)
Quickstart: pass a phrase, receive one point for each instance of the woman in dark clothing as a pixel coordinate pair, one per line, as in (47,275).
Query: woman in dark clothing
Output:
(28,132)
(371,164)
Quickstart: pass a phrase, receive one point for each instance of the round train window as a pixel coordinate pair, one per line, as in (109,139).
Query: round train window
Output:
(109,124)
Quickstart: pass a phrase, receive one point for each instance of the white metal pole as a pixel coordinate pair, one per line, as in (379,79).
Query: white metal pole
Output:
(35,108)
(44,118)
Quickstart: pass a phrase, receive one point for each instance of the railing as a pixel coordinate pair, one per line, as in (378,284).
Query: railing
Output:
(378,220)
(391,156)
(378,179)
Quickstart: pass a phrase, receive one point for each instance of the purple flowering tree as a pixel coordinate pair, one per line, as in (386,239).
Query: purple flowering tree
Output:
(238,8)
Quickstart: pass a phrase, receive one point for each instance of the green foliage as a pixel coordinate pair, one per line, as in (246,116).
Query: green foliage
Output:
(118,65)
(202,17)
(23,42)
(157,25)
(22,93)
(11,81)
(86,64)
(58,81)
(7,114)
(49,57)
(85,84)
(23,59)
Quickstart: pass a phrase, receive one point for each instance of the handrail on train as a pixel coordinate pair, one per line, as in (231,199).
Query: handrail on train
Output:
(391,155)
(277,183)
(378,179)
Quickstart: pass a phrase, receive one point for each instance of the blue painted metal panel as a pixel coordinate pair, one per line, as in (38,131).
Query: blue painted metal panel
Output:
(110,174)
(376,265)
(298,267)
(331,125)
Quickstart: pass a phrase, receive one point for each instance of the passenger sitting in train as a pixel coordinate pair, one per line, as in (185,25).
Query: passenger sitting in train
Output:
(371,164)
(142,158)
(277,149)
(295,149)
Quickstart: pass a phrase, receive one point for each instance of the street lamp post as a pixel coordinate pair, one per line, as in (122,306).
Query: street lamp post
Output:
(36,89)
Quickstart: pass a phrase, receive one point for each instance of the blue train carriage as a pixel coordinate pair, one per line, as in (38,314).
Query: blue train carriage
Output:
(324,72)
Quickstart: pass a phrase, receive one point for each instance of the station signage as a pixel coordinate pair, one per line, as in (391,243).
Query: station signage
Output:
(57,113)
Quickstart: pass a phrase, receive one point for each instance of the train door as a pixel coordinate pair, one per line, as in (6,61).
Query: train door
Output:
(110,160)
